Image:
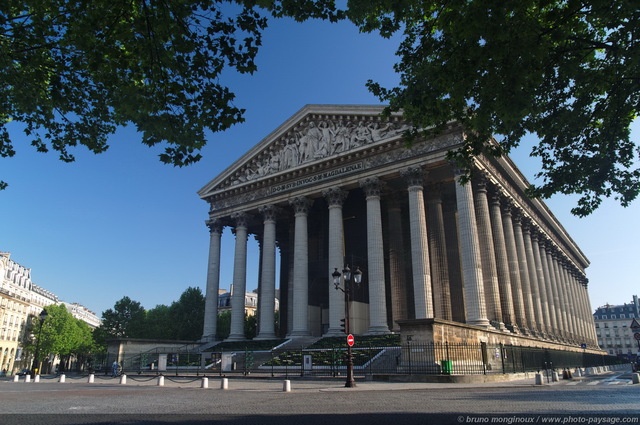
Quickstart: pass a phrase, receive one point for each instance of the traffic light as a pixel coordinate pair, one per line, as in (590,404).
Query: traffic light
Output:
(343,325)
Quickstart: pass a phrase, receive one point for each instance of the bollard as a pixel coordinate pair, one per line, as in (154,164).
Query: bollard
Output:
(37,378)
(91,378)
(286,386)
(554,376)
(224,384)
(205,382)
(565,374)
(16,378)
(578,372)
(123,379)
(161,380)
(27,378)
(538,379)
(635,378)
(63,378)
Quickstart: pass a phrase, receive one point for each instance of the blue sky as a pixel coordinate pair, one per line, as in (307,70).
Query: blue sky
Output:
(121,223)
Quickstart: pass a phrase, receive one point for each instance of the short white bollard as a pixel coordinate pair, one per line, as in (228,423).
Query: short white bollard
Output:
(63,378)
(224,384)
(554,377)
(36,378)
(161,380)
(91,378)
(123,379)
(27,378)
(635,378)
(205,382)
(16,378)
(538,379)
(286,386)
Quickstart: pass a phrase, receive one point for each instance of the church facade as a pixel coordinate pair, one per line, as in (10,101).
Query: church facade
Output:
(338,185)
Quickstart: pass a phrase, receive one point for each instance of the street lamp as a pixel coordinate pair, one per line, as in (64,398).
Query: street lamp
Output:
(349,278)
(34,365)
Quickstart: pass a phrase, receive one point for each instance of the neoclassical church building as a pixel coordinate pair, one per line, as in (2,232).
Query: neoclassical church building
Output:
(338,185)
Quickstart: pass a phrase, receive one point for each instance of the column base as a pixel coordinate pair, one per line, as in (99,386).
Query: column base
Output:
(483,323)
(378,330)
(236,337)
(295,333)
(333,333)
(265,336)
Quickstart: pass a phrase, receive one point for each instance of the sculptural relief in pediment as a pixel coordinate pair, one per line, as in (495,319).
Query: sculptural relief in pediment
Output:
(314,139)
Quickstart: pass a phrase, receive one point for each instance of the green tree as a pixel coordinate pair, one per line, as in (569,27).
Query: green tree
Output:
(125,320)
(63,335)
(159,324)
(566,71)
(223,325)
(187,315)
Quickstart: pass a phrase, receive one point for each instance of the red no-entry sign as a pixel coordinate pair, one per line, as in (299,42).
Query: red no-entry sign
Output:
(350,340)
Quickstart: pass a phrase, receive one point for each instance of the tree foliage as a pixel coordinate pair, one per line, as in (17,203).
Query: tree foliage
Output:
(125,320)
(62,334)
(566,71)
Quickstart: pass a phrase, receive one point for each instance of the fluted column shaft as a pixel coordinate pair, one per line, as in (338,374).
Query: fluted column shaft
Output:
(268,275)
(514,270)
(548,282)
(335,198)
(536,292)
(301,206)
(524,272)
(542,284)
(423,297)
(236,332)
(562,313)
(375,253)
(213,282)
(568,301)
(502,262)
(396,263)
(438,249)
(470,255)
(487,255)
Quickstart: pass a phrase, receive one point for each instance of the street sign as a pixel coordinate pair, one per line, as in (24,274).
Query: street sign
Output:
(351,340)
(637,336)
(635,325)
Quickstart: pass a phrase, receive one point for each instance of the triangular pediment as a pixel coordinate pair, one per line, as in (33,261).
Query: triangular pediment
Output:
(314,134)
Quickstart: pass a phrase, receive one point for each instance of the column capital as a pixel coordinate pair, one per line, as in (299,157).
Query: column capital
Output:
(335,196)
(215,225)
(301,204)
(269,212)
(241,219)
(414,176)
(372,186)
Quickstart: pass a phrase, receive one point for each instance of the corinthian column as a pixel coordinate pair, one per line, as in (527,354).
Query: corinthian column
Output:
(213,282)
(487,255)
(335,197)
(236,332)
(514,270)
(470,255)
(423,298)
(268,275)
(524,272)
(542,285)
(375,254)
(536,292)
(502,262)
(301,206)
(396,262)
(438,249)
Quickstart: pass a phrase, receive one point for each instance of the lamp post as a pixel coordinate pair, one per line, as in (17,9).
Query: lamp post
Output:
(34,365)
(349,279)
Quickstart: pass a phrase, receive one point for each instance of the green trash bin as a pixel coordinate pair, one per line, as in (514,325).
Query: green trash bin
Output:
(446,367)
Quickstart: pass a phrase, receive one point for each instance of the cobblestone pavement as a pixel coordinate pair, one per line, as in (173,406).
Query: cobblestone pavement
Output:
(607,398)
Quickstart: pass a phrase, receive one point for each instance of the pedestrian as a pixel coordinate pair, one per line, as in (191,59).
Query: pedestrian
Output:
(114,368)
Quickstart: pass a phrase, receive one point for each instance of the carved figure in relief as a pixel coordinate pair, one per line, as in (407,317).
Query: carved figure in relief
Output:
(326,134)
(378,133)
(290,154)
(360,135)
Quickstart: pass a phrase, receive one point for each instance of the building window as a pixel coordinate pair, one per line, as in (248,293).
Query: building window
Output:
(623,316)
(613,316)
(604,316)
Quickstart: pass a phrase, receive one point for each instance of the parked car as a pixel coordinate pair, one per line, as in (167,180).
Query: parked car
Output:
(24,372)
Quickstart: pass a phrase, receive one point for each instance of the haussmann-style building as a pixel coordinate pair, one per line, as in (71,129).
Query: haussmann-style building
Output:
(441,261)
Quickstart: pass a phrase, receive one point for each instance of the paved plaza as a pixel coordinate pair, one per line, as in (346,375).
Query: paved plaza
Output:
(606,398)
